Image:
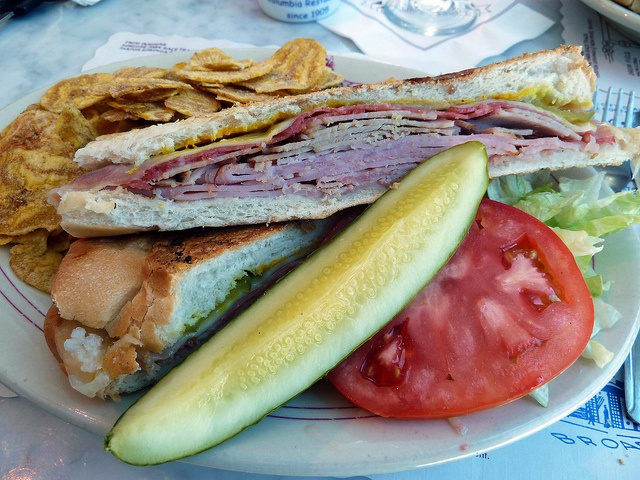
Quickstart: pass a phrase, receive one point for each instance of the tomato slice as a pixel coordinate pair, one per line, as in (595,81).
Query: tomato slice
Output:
(508,313)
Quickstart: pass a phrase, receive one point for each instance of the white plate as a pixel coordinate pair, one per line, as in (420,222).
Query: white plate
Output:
(625,20)
(318,433)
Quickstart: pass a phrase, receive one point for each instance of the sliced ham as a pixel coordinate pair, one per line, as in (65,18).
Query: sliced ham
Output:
(328,151)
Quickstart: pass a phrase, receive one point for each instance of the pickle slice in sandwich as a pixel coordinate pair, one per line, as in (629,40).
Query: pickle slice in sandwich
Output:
(312,318)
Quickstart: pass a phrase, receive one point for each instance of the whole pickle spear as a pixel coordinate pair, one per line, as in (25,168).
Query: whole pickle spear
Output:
(313,318)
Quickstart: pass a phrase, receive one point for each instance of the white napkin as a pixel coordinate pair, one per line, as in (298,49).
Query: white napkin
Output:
(501,24)
(126,45)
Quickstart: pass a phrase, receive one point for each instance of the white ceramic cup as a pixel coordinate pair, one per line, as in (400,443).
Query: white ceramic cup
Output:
(298,11)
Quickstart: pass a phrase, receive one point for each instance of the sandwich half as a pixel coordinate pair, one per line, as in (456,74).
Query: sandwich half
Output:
(308,156)
(127,309)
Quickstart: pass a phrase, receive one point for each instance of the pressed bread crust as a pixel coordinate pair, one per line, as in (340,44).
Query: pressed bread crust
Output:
(130,297)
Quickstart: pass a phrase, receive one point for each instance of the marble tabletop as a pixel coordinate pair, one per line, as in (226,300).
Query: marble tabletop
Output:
(54,42)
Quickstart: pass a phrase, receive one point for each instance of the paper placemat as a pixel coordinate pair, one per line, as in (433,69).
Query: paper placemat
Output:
(614,57)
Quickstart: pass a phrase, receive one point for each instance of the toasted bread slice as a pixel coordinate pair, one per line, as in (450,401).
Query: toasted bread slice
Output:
(127,309)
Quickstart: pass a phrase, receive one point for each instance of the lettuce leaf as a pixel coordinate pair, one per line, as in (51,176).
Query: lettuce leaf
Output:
(570,204)
(598,353)
(579,241)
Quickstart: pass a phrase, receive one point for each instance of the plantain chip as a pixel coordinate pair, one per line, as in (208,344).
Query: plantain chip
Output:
(329,79)
(216,59)
(145,89)
(193,103)
(231,94)
(35,257)
(78,92)
(299,65)
(99,116)
(141,72)
(198,75)
(114,115)
(150,111)
(36,155)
